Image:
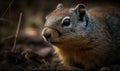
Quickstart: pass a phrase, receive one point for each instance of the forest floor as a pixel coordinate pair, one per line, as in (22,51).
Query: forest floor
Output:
(30,53)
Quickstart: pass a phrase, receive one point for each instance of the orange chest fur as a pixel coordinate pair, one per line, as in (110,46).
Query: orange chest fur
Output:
(88,59)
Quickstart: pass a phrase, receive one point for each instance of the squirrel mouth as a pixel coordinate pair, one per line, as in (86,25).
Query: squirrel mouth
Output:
(52,42)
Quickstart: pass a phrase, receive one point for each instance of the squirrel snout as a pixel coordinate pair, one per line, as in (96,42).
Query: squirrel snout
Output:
(50,35)
(46,34)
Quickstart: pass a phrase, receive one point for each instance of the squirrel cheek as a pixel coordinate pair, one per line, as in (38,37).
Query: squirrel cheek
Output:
(55,36)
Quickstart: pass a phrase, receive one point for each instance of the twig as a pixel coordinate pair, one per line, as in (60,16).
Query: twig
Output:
(7,8)
(16,34)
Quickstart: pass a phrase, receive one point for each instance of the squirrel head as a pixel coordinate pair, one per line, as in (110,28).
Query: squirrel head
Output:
(66,24)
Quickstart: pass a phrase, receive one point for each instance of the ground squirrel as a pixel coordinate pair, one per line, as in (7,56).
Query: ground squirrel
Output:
(87,39)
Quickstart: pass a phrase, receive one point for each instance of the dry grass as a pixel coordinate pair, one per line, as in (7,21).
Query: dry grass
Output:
(17,31)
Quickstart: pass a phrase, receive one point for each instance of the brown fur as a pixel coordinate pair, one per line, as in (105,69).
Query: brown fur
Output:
(59,12)
(90,50)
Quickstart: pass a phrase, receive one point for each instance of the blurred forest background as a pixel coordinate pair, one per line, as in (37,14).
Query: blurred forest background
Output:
(27,49)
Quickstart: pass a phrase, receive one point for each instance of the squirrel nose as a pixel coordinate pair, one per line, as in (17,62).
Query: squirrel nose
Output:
(47,35)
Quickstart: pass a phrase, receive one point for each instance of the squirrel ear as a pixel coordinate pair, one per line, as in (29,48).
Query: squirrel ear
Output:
(80,10)
(60,5)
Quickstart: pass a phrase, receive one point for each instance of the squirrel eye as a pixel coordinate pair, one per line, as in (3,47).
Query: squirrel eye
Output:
(66,22)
